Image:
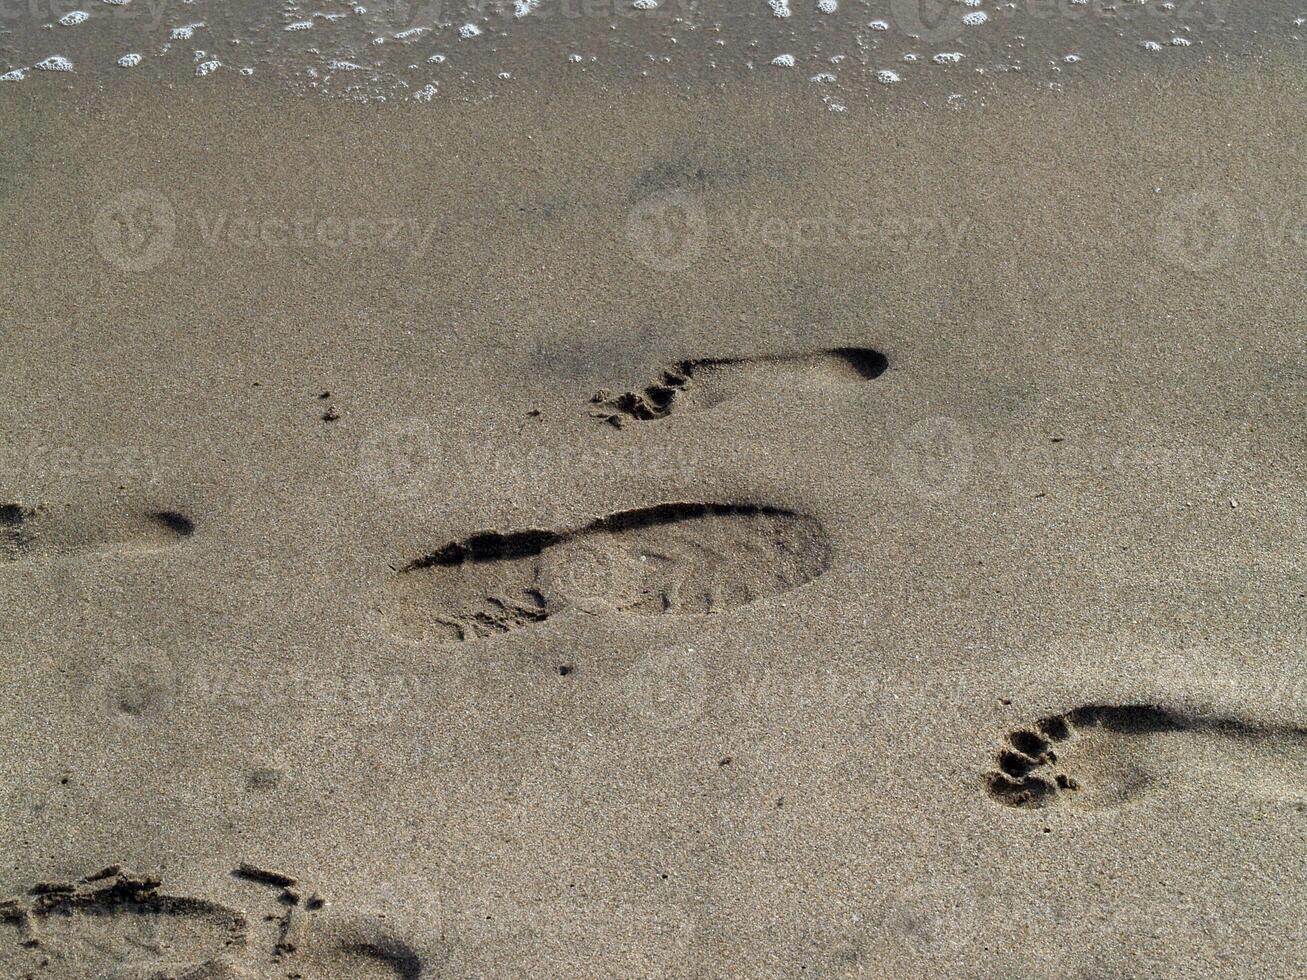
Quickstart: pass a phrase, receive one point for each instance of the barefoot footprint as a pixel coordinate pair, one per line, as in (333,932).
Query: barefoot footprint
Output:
(690,386)
(118,925)
(314,943)
(115,925)
(47,530)
(1099,756)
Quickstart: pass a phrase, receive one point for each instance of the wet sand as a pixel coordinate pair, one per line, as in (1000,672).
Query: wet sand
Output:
(985,664)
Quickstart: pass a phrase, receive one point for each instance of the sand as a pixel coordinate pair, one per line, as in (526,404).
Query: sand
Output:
(331,548)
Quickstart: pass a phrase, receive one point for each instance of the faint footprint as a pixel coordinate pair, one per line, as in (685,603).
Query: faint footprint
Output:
(1100,756)
(364,947)
(676,559)
(315,942)
(117,926)
(47,531)
(693,386)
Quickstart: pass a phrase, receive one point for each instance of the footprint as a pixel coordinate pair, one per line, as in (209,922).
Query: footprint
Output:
(364,948)
(1100,756)
(114,925)
(119,926)
(314,942)
(693,386)
(47,531)
(677,559)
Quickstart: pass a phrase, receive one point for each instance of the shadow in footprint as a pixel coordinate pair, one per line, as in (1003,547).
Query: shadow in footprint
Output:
(48,531)
(672,559)
(694,386)
(1099,756)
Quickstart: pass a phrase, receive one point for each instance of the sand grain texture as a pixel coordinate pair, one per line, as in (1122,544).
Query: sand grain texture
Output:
(788,678)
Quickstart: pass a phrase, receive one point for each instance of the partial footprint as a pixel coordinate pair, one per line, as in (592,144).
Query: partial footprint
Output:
(692,386)
(677,559)
(114,925)
(46,531)
(1101,756)
(118,926)
(314,942)
(363,948)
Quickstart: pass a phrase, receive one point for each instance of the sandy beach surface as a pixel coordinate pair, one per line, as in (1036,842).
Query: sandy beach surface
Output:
(634,523)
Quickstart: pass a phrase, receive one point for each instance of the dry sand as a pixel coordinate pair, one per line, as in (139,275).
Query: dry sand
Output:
(742,702)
